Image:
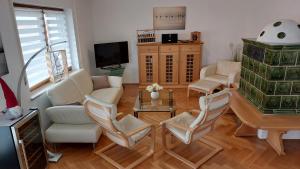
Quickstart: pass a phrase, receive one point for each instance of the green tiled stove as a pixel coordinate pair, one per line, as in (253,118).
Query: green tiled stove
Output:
(270,77)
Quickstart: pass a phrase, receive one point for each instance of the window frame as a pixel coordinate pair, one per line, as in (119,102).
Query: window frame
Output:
(46,34)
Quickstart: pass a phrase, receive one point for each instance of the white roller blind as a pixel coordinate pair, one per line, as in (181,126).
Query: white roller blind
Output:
(31,28)
(32,38)
(57,31)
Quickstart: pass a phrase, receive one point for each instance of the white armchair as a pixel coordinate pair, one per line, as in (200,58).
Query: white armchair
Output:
(224,72)
(188,128)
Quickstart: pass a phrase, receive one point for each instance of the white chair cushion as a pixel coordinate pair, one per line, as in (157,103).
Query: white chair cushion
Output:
(205,85)
(83,81)
(63,93)
(226,67)
(66,133)
(205,101)
(108,95)
(218,78)
(130,123)
(185,120)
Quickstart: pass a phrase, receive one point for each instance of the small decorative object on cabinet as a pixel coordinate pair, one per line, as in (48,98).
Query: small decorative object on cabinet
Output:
(146,36)
(153,89)
(22,145)
(171,65)
(196,36)
(57,65)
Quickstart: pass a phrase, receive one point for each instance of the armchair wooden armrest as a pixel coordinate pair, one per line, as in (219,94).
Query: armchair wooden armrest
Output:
(138,130)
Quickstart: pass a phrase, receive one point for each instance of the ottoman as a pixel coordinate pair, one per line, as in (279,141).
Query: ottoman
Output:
(203,86)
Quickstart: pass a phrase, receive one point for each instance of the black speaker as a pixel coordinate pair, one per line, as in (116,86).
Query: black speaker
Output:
(169,38)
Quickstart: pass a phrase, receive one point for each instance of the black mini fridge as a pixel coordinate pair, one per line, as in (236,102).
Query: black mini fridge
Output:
(21,143)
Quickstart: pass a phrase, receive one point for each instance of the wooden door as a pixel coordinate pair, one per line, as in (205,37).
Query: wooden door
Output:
(168,69)
(148,63)
(190,64)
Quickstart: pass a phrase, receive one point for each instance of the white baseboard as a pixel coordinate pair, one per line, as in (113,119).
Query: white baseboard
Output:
(292,134)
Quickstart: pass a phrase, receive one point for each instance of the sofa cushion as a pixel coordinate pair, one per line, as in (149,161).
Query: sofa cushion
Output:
(83,82)
(100,82)
(226,67)
(63,93)
(66,133)
(108,95)
(68,115)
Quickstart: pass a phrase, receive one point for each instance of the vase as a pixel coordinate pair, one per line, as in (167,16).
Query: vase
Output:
(154,95)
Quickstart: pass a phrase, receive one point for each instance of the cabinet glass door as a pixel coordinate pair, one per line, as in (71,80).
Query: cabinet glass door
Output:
(30,143)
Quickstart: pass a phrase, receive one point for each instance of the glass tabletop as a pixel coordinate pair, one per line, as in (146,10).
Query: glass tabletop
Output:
(165,102)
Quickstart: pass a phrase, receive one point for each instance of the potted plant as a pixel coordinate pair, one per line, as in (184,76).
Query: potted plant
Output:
(153,89)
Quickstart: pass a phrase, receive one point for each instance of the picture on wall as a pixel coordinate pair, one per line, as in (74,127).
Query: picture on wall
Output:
(169,18)
(3,64)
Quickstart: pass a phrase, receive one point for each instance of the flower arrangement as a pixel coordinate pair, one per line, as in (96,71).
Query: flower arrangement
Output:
(154,88)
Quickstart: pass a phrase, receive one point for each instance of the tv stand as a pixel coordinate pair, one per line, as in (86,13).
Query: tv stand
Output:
(112,67)
(115,70)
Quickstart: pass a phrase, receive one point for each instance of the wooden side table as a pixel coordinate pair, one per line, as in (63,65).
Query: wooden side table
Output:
(252,119)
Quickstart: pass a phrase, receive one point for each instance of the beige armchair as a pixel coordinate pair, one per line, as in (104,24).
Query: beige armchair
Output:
(188,128)
(126,132)
(224,72)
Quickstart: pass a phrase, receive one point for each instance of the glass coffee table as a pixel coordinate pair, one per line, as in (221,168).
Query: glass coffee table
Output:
(165,103)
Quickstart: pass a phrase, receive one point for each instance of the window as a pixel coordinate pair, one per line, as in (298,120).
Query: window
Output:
(37,28)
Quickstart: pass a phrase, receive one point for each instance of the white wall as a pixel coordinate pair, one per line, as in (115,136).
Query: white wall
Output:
(222,22)
(13,50)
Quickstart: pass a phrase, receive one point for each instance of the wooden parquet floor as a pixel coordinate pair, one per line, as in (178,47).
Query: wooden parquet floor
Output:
(238,153)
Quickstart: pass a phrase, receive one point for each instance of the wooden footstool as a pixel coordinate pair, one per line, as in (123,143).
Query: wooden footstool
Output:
(203,86)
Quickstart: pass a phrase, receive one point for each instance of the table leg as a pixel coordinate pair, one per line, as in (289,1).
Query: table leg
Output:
(275,140)
(173,113)
(244,130)
(136,114)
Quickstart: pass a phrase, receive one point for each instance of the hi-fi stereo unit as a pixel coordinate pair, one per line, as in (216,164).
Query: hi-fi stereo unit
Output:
(169,38)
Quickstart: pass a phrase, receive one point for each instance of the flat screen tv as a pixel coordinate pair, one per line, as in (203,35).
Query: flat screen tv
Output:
(108,54)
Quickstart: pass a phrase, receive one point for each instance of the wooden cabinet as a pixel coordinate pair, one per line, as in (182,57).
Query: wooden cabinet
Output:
(190,63)
(168,65)
(172,65)
(148,64)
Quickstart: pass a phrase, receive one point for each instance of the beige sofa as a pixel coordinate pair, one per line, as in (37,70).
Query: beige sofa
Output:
(224,72)
(70,124)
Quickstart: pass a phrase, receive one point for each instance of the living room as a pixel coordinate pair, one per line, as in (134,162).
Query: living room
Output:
(257,125)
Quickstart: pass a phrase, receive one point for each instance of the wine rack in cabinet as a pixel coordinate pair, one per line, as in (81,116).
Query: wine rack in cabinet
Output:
(190,63)
(22,144)
(148,64)
(171,65)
